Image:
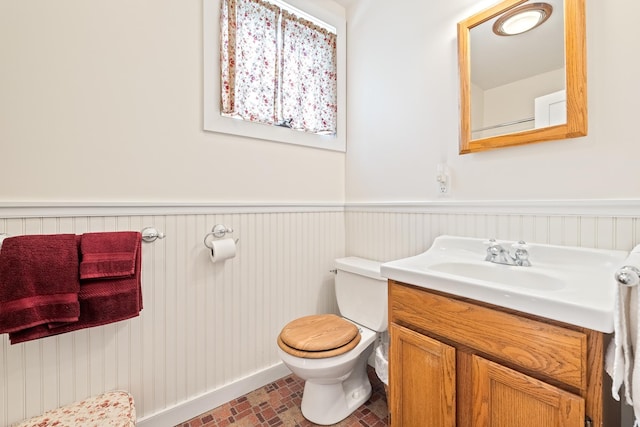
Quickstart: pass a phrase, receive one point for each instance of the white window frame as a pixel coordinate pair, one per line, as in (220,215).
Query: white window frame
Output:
(327,11)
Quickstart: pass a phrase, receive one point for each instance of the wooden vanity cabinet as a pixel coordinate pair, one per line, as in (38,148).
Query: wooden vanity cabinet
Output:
(457,362)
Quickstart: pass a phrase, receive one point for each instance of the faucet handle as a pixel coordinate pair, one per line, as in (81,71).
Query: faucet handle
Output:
(493,249)
(520,245)
(521,253)
(490,242)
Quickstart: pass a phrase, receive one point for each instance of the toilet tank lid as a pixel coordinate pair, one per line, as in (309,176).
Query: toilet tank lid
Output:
(364,267)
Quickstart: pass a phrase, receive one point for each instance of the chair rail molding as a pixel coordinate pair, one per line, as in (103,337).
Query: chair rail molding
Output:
(569,207)
(70,209)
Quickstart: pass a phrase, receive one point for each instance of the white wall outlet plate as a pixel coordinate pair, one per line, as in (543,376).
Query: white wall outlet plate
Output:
(443,179)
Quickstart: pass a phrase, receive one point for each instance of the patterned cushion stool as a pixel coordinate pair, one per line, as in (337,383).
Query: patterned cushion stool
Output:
(112,409)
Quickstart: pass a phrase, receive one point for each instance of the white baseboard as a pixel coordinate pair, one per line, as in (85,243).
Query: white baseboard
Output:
(198,405)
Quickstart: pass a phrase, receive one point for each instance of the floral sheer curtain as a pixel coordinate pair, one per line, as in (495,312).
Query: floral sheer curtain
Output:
(248,54)
(277,68)
(309,81)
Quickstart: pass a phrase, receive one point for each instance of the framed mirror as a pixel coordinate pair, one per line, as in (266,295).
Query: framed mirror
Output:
(526,87)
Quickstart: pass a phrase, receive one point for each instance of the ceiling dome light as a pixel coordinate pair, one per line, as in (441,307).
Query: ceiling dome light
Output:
(522,19)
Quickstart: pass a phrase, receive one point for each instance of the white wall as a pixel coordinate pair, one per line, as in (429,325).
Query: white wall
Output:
(403,120)
(403,111)
(101,123)
(207,333)
(102,101)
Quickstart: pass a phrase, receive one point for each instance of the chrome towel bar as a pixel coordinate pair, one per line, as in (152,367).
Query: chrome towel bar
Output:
(149,234)
(628,276)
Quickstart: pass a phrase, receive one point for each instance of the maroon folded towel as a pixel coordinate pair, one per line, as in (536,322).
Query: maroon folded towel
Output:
(108,254)
(102,300)
(38,281)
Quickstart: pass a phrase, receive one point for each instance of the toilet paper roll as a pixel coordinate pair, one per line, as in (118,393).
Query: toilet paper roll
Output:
(222,249)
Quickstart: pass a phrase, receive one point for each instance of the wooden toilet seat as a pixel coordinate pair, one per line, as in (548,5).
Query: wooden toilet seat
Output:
(318,336)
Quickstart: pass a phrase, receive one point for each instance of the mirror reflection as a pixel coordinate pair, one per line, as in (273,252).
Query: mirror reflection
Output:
(524,87)
(511,74)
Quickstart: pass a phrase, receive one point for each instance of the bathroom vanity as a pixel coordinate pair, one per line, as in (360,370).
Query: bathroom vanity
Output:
(457,362)
(477,343)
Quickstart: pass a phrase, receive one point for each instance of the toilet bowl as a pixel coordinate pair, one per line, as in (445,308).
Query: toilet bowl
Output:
(331,352)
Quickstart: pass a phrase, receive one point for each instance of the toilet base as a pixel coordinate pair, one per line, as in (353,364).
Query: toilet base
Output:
(327,404)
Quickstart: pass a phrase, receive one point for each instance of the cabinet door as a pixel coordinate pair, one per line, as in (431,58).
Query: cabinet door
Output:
(503,397)
(422,380)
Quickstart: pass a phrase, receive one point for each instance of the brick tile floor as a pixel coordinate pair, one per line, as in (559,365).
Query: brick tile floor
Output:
(278,404)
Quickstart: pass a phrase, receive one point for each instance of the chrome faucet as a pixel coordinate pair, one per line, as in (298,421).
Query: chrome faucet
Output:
(499,255)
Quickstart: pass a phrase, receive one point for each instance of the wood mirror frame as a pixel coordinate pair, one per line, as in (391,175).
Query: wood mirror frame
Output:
(575,81)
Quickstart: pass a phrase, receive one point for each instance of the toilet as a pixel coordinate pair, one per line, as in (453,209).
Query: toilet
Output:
(330,352)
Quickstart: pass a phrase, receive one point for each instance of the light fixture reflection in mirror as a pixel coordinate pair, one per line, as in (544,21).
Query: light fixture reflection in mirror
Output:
(507,107)
(522,19)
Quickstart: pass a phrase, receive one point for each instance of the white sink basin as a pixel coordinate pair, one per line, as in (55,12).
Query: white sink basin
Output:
(510,276)
(568,284)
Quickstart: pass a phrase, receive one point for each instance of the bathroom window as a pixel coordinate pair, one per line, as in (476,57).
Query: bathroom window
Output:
(275,71)
(277,67)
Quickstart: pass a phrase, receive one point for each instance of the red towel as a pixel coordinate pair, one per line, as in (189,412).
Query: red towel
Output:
(105,299)
(108,255)
(38,281)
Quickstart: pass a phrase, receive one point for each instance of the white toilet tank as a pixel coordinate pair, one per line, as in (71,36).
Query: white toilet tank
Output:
(361,292)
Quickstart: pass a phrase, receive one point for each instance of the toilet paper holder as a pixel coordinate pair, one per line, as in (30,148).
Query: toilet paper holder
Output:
(218,232)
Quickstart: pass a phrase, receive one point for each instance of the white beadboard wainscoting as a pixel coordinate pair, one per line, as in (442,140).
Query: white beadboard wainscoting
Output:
(388,231)
(207,333)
